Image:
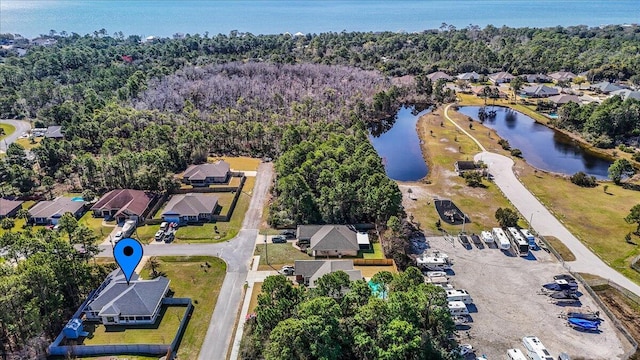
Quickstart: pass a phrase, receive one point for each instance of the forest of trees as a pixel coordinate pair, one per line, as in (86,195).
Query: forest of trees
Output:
(342,319)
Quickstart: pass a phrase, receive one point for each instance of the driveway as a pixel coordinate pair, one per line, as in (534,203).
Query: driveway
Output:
(21,128)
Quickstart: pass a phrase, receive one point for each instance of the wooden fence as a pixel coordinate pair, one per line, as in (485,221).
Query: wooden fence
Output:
(373,262)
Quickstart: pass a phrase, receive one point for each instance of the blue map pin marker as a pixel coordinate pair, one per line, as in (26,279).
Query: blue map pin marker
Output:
(128,253)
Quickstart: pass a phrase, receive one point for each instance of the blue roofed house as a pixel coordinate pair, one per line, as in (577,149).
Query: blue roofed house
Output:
(117,303)
(190,208)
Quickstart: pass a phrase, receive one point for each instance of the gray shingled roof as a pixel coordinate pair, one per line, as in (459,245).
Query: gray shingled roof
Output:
(562,75)
(6,206)
(59,206)
(435,76)
(564,98)
(139,298)
(540,90)
(606,87)
(626,94)
(54,132)
(334,237)
(469,76)
(500,75)
(191,204)
(315,269)
(203,171)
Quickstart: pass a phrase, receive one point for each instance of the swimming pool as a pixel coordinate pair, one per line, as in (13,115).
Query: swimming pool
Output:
(377,290)
(77,198)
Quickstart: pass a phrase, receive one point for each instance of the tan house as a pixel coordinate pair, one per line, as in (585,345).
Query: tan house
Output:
(9,208)
(207,174)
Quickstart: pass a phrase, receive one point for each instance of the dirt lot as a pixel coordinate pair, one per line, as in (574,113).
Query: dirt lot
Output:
(509,305)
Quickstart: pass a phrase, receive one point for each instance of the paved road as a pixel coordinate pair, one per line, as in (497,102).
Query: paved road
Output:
(237,253)
(21,128)
(543,222)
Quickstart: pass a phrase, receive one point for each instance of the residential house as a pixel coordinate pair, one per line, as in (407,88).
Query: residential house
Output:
(604,87)
(479,91)
(439,75)
(626,94)
(309,271)
(50,212)
(564,99)
(536,78)
(562,76)
(500,77)
(9,208)
(469,76)
(462,167)
(123,204)
(54,132)
(539,91)
(117,303)
(207,174)
(332,240)
(190,207)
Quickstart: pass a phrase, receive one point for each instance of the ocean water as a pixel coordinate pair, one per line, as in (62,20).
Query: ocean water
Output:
(31,18)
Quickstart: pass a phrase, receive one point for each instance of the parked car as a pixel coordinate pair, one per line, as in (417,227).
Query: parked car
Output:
(164,225)
(287,270)
(159,235)
(118,236)
(289,234)
(278,239)
(169,237)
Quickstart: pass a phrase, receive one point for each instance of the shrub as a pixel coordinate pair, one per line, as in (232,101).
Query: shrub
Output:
(504,143)
(516,153)
(584,180)
(473,178)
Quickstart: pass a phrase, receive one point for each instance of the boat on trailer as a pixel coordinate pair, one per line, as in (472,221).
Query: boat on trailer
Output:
(583,324)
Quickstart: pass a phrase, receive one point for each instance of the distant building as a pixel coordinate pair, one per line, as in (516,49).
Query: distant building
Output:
(605,87)
(536,78)
(9,208)
(500,77)
(439,75)
(564,99)
(469,76)
(50,212)
(118,303)
(626,94)
(562,76)
(207,174)
(308,271)
(539,91)
(54,132)
(462,167)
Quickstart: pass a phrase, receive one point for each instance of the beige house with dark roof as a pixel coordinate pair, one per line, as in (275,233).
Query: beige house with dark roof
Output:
(190,207)
(308,271)
(123,204)
(207,174)
(332,240)
(501,77)
(439,75)
(50,212)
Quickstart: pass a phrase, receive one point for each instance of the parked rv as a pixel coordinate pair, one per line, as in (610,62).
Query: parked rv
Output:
(487,237)
(457,308)
(459,295)
(432,263)
(534,348)
(501,239)
(519,244)
(530,238)
(515,354)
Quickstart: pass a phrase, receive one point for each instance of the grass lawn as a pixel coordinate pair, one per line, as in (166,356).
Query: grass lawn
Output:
(26,143)
(188,279)
(146,233)
(443,145)
(257,288)
(95,224)
(239,163)
(19,224)
(279,255)
(8,130)
(377,252)
(561,248)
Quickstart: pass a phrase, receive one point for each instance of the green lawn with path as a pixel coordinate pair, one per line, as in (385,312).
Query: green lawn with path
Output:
(278,255)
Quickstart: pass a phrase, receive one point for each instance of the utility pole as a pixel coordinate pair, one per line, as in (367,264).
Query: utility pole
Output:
(266,253)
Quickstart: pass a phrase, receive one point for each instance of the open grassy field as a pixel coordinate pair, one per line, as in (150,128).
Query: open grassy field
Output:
(561,248)
(238,163)
(256,289)
(6,130)
(27,144)
(443,145)
(278,255)
(95,224)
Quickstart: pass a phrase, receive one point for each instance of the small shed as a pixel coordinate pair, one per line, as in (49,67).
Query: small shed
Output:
(74,329)
(363,241)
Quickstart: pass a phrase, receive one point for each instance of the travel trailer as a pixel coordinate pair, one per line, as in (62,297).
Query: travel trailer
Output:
(515,354)
(459,295)
(432,263)
(457,308)
(535,349)
(501,239)
(487,237)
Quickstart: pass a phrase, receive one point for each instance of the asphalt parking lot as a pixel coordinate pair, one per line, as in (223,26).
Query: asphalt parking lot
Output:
(509,305)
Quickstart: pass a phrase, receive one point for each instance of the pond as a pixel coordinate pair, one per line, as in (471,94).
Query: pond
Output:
(396,141)
(542,147)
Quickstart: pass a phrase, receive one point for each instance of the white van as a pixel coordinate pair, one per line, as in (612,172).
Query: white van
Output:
(515,354)
(457,308)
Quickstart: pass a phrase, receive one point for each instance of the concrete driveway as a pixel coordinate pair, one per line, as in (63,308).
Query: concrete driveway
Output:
(21,128)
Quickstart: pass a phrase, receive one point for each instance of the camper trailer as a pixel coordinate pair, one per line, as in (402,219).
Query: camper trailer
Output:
(487,237)
(459,295)
(535,349)
(457,308)
(515,354)
(501,239)
(530,238)
(432,263)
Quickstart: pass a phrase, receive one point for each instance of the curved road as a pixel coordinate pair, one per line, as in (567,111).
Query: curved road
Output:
(21,128)
(237,253)
(544,222)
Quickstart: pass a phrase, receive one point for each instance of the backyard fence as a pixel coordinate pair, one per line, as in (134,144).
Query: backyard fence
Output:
(373,262)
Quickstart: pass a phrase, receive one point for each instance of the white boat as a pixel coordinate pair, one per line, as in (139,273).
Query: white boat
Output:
(486,237)
(459,295)
(433,274)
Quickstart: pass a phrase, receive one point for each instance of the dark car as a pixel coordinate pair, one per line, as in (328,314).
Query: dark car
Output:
(289,234)
(278,239)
